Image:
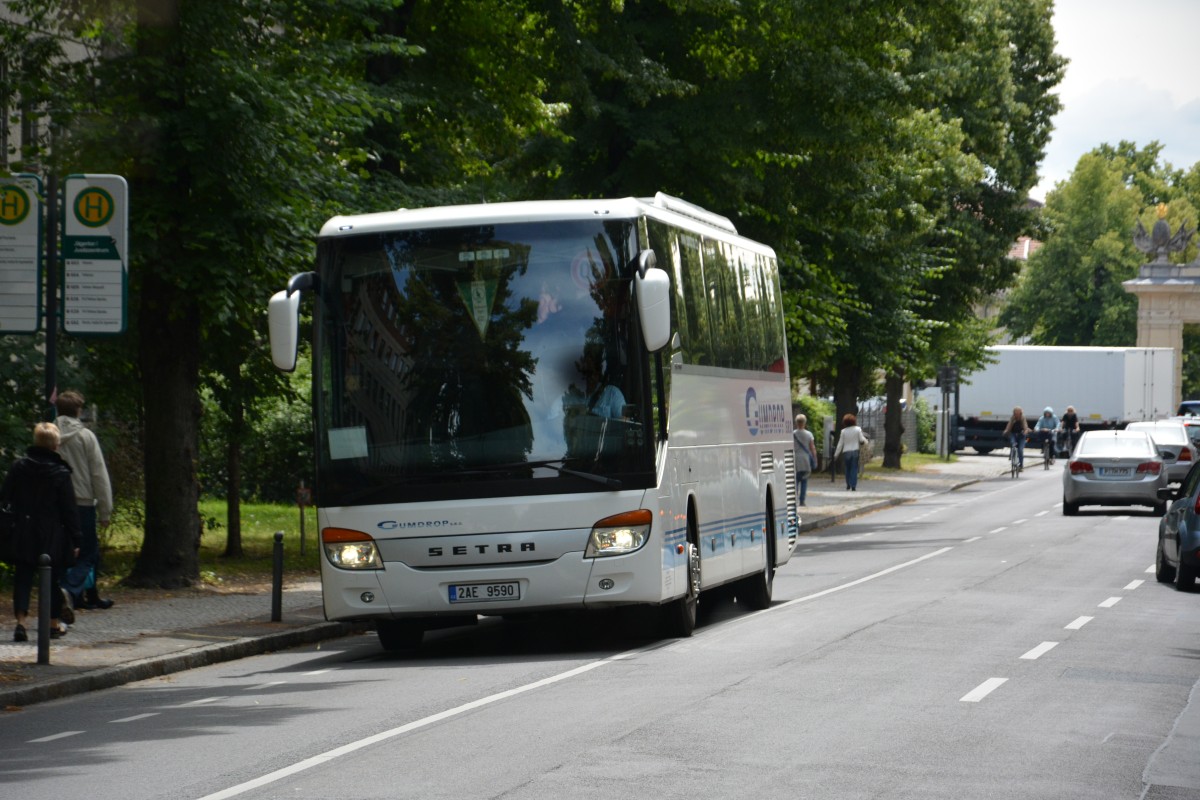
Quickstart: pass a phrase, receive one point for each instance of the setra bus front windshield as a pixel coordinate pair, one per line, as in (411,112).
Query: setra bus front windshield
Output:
(489,360)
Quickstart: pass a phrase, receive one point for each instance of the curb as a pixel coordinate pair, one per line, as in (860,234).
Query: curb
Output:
(157,666)
(837,519)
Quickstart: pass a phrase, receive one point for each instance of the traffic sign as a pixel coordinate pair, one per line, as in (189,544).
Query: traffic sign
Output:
(20,254)
(95,253)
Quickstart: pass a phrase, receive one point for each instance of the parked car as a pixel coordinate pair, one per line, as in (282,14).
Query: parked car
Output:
(1189,414)
(1178,555)
(1114,468)
(1173,442)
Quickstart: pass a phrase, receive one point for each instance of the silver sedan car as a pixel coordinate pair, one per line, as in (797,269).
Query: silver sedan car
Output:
(1172,440)
(1114,468)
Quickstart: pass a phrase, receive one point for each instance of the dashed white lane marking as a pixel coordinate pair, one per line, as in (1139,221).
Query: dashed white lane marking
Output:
(1078,623)
(1041,513)
(982,690)
(1019,521)
(204,700)
(1110,602)
(999,530)
(264,685)
(1133,585)
(1039,651)
(972,539)
(319,671)
(1151,570)
(55,737)
(135,718)
(1122,518)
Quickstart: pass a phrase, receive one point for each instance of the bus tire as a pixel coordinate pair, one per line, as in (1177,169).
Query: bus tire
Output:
(679,616)
(755,591)
(397,635)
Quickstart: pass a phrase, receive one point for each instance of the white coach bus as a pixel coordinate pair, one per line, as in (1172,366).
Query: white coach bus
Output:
(548,405)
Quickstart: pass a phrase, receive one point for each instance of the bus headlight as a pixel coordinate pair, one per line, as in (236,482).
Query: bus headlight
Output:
(350,549)
(619,534)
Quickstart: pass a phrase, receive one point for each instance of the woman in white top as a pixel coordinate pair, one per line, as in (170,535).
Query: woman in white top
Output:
(850,443)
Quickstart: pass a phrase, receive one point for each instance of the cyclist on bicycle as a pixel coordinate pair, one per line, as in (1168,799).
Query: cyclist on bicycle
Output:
(1015,432)
(1069,425)
(1045,428)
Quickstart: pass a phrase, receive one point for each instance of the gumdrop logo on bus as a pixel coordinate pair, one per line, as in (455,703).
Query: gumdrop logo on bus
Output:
(764,418)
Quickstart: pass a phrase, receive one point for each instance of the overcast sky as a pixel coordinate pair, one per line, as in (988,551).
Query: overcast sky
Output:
(1134,74)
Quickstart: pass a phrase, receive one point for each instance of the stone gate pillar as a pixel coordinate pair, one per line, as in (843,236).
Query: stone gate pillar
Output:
(1168,294)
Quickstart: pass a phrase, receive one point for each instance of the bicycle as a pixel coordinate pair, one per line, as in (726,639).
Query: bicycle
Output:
(1014,456)
(1047,449)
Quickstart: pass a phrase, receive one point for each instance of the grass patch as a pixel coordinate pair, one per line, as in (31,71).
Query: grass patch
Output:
(122,542)
(909,462)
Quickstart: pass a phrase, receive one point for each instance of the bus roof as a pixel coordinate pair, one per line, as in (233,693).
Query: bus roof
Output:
(661,206)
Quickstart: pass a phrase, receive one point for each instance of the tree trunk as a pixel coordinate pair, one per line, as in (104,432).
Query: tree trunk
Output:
(168,336)
(169,347)
(233,485)
(893,422)
(845,391)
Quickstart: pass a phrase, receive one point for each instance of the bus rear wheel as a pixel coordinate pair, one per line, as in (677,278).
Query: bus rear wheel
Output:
(679,616)
(755,591)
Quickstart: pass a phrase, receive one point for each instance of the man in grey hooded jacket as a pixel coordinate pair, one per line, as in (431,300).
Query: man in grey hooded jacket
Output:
(80,448)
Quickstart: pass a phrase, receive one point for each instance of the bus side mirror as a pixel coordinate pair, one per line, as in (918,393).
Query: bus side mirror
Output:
(283,324)
(654,301)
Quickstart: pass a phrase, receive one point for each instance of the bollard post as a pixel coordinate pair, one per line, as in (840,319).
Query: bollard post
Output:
(277,579)
(43,656)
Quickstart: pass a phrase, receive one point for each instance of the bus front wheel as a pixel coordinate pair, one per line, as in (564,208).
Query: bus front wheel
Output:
(397,635)
(679,616)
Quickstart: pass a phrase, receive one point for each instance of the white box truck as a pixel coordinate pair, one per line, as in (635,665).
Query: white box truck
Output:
(1109,387)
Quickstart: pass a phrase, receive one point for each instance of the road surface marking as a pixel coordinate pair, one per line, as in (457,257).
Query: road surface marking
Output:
(352,747)
(1110,602)
(136,717)
(1039,651)
(205,700)
(319,671)
(1151,570)
(972,539)
(998,530)
(1041,513)
(264,686)
(1019,521)
(1079,623)
(982,690)
(62,735)
(833,589)
(1133,585)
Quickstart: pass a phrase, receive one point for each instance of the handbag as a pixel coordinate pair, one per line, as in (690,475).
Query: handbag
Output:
(8,531)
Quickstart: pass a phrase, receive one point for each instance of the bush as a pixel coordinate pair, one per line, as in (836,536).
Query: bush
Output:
(817,409)
(926,423)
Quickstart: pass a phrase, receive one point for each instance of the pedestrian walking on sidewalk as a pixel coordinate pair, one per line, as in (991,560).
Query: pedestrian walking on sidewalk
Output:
(805,455)
(38,488)
(851,441)
(93,494)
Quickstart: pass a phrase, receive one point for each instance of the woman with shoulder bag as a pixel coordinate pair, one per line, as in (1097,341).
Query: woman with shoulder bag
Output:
(850,444)
(805,455)
(38,488)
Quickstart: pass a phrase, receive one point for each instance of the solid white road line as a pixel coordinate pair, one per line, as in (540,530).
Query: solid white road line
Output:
(62,735)
(1110,602)
(1040,650)
(338,752)
(982,690)
(1079,623)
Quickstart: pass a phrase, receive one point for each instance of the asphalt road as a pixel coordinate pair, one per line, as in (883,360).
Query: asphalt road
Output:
(976,644)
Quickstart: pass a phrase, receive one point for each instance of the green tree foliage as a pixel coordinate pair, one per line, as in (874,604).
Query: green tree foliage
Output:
(1070,292)
(883,148)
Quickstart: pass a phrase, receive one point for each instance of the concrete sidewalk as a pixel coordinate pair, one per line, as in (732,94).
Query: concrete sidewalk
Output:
(149,634)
